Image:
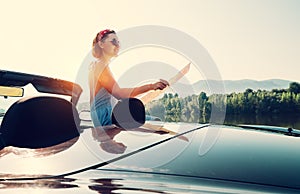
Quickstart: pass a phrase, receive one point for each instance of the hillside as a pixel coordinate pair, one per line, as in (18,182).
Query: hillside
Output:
(229,86)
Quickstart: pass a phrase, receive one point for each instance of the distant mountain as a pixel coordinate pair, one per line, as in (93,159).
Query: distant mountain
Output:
(229,86)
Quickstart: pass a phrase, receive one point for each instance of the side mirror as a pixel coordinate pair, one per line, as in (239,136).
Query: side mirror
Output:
(7,91)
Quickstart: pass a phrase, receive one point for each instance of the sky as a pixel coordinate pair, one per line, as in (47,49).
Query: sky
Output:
(247,39)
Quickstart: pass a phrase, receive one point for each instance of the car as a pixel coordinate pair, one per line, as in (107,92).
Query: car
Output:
(48,143)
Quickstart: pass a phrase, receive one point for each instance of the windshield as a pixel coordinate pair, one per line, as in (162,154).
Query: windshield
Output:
(36,85)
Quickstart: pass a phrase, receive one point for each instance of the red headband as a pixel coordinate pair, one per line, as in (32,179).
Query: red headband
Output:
(102,33)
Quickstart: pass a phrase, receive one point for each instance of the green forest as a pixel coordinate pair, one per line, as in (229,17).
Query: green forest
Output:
(198,108)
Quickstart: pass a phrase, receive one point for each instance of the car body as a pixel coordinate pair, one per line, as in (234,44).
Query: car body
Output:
(158,157)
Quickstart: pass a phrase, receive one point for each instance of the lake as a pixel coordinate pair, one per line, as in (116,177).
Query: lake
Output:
(287,121)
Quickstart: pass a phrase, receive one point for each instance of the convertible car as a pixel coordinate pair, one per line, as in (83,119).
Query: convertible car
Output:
(48,143)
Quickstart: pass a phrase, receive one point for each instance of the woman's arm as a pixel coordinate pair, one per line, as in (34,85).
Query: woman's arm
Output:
(109,83)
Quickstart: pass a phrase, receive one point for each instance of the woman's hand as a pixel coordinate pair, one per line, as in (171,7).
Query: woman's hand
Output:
(160,85)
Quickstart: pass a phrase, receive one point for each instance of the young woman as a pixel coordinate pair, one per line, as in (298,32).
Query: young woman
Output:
(103,85)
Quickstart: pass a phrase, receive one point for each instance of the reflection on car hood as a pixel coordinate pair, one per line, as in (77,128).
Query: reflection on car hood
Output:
(214,153)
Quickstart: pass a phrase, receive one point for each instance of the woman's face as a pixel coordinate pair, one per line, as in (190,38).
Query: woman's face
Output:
(110,45)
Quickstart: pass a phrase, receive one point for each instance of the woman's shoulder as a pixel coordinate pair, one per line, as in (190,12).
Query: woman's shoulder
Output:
(96,64)
(98,67)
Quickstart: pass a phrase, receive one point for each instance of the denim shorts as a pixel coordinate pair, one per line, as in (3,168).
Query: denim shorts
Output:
(101,116)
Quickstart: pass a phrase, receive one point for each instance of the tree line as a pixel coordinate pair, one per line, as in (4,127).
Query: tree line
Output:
(198,108)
